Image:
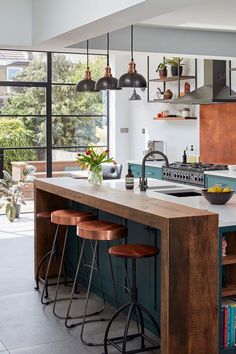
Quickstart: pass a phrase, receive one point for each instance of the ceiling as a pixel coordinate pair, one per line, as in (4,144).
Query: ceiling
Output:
(212,15)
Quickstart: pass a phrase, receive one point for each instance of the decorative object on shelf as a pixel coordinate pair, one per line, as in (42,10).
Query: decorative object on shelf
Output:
(168,94)
(186,113)
(11,192)
(162,70)
(224,246)
(176,66)
(107,82)
(132,78)
(135,96)
(87,84)
(92,160)
(186,87)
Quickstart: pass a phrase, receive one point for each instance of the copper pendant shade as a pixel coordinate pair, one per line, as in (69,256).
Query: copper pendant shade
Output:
(87,84)
(107,82)
(132,78)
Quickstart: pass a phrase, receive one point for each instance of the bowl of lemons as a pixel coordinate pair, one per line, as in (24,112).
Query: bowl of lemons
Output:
(218,194)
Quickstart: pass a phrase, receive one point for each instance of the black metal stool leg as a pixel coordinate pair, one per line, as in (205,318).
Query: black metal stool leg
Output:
(38,270)
(59,274)
(151,318)
(128,319)
(49,265)
(74,287)
(112,276)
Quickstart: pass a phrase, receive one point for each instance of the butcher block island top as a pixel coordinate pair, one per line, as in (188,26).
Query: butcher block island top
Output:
(189,254)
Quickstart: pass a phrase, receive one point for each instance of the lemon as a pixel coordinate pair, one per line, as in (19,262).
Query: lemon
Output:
(227,189)
(217,188)
(211,190)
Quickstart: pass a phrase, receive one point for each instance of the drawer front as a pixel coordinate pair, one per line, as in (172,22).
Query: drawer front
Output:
(211,180)
(151,172)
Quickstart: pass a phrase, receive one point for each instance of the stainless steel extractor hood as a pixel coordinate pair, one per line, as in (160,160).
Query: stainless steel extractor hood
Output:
(214,89)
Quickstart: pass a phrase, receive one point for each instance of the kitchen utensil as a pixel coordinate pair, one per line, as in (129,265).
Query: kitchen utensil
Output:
(185,112)
(218,198)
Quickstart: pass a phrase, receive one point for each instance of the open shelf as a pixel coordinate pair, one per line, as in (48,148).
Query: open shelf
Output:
(229,259)
(229,290)
(173,78)
(175,118)
(160,101)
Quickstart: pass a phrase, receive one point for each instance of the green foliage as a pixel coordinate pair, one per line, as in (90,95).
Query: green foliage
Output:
(175,61)
(66,131)
(13,133)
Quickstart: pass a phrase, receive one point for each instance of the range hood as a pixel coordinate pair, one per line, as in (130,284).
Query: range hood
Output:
(214,89)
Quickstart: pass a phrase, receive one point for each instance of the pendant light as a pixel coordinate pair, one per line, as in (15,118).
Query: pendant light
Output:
(87,84)
(135,96)
(132,78)
(107,82)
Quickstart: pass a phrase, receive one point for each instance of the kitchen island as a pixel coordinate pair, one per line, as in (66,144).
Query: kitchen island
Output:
(187,274)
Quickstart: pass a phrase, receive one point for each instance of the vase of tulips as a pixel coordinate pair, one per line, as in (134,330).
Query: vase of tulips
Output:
(92,160)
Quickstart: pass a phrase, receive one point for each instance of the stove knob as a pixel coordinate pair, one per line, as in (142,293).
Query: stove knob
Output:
(167,174)
(181,176)
(175,175)
(200,179)
(164,173)
(184,176)
(196,178)
(187,177)
(178,175)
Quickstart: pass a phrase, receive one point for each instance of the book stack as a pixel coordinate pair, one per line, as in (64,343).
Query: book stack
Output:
(228,322)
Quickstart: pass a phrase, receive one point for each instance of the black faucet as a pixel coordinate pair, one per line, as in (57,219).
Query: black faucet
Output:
(143,180)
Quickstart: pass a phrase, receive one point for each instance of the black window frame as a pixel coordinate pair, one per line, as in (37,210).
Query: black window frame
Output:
(48,84)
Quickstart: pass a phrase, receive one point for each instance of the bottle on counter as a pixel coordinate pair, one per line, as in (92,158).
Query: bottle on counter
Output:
(192,154)
(129,180)
(187,154)
(184,157)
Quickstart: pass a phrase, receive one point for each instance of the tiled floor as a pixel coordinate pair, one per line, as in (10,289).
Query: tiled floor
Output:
(26,327)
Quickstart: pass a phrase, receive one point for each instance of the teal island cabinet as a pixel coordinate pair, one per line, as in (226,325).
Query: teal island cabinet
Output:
(181,286)
(153,169)
(225,178)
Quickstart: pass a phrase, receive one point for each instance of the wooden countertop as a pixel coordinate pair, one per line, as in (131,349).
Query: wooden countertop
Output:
(134,206)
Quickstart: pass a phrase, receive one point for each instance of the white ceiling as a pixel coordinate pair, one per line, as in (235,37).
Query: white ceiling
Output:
(215,15)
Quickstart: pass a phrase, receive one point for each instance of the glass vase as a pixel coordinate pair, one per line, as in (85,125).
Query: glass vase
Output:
(95,175)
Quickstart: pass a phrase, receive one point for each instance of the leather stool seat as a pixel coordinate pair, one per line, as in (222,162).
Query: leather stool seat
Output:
(133,251)
(44,215)
(100,230)
(70,217)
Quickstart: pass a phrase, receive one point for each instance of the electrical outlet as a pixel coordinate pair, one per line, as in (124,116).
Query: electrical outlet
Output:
(143,130)
(124,130)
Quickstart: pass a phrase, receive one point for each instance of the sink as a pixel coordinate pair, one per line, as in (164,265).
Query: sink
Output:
(162,187)
(182,194)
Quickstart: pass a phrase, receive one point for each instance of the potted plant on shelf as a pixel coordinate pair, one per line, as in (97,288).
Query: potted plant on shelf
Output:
(175,64)
(92,160)
(11,192)
(162,70)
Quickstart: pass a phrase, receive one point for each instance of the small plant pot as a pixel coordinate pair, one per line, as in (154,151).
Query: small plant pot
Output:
(18,208)
(174,70)
(162,73)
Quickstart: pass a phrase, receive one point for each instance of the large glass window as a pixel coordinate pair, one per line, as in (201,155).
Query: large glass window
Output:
(29,125)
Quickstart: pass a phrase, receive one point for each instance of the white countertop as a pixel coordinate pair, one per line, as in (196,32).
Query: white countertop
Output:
(228,174)
(227,212)
(148,163)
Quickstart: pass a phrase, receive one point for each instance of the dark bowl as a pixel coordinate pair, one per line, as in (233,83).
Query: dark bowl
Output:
(218,198)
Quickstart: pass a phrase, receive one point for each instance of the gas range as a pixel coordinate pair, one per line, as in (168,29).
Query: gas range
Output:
(189,173)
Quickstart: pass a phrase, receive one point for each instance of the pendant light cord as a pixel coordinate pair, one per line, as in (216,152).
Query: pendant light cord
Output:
(87,54)
(132,42)
(108,48)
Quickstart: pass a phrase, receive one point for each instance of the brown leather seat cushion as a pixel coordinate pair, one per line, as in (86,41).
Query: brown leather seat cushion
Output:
(44,215)
(70,217)
(133,251)
(101,230)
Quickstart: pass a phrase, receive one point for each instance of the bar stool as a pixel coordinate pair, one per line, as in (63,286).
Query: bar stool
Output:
(44,216)
(96,231)
(132,252)
(65,217)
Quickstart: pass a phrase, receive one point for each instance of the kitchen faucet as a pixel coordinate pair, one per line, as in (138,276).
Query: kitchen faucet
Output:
(143,179)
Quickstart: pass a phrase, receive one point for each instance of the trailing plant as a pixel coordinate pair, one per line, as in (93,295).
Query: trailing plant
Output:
(175,61)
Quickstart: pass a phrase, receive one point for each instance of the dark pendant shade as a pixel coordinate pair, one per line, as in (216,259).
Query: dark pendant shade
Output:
(135,96)
(132,78)
(107,82)
(87,84)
